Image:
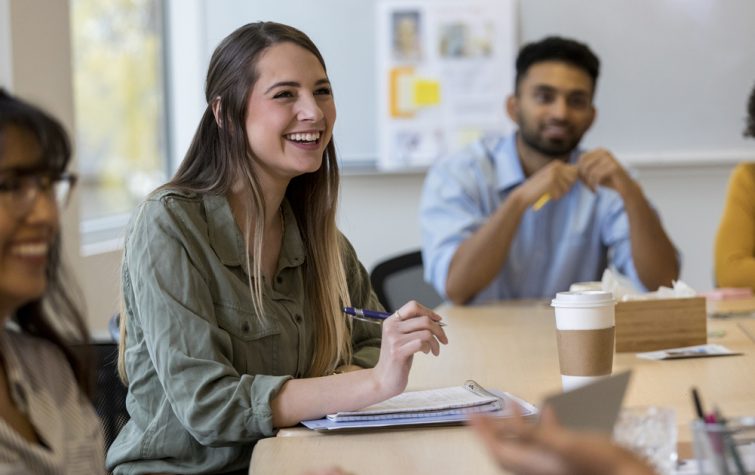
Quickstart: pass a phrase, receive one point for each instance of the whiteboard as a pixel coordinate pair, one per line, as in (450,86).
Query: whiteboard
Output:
(675,73)
(344,32)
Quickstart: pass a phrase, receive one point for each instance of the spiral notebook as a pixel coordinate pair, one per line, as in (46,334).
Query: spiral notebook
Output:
(465,399)
(450,405)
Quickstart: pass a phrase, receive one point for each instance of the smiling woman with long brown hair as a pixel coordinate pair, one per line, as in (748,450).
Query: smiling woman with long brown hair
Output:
(234,275)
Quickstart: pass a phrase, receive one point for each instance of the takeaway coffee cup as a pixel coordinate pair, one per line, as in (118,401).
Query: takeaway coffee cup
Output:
(585,325)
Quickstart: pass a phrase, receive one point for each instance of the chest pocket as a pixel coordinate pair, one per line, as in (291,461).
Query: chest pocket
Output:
(255,342)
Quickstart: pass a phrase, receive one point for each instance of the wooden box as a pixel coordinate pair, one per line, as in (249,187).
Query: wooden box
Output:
(648,325)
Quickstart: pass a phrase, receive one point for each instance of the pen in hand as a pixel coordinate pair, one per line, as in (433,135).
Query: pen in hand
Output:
(542,201)
(374,316)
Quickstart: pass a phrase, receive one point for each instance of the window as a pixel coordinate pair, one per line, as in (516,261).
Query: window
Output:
(119,96)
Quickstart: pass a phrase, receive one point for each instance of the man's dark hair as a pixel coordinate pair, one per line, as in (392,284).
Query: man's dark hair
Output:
(750,127)
(555,48)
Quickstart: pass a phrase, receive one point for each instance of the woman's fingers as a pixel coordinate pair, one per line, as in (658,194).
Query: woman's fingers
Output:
(412,346)
(413,309)
(419,324)
(426,341)
(405,344)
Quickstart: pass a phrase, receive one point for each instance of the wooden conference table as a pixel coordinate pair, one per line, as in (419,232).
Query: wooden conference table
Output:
(512,346)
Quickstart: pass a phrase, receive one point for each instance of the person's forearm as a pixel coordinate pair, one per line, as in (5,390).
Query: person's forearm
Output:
(480,257)
(652,252)
(312,398)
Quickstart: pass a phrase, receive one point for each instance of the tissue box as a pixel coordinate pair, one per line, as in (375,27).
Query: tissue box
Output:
(647,325)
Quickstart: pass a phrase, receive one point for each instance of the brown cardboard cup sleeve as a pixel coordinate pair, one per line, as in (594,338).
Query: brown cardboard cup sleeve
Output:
(586,352)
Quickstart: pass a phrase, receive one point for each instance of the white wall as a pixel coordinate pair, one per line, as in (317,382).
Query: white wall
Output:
(674,73)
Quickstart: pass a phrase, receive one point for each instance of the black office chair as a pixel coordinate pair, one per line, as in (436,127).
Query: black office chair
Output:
(399,279)
(109,394)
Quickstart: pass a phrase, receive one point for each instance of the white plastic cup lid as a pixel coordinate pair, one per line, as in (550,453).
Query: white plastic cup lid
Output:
(595,285)
(583,298)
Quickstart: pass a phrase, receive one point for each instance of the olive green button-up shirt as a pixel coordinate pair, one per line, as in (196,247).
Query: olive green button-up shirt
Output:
(202,366)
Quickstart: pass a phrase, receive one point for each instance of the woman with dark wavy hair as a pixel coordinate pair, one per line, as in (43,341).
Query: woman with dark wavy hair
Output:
(235,275)
(735,241)
(46,422)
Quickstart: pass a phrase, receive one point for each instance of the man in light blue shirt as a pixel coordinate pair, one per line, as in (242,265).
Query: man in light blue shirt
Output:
(525,216)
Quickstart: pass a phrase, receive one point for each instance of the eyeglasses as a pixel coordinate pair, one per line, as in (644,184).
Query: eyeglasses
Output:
(19,192)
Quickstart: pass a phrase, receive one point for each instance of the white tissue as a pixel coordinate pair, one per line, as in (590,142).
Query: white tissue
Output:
(618,284)
(623,290)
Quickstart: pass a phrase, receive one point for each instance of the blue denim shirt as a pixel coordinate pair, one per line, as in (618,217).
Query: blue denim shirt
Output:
(569,240)
(202,365)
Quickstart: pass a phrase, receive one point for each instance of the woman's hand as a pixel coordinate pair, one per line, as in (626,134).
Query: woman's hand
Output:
(410,329)
(549,449)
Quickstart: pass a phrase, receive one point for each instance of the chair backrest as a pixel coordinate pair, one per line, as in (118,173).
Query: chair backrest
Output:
(399,279)
(109,395)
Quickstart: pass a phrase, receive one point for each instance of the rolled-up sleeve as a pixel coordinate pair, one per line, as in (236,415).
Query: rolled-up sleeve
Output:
(450,212)
(172,306)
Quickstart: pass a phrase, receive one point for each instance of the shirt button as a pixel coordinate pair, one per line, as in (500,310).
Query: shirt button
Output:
(298,318)
(245,327)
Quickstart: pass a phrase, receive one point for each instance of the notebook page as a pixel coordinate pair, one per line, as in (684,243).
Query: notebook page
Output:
(421,401)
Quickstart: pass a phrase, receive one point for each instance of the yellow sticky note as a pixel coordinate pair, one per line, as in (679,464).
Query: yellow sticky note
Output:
(426,92)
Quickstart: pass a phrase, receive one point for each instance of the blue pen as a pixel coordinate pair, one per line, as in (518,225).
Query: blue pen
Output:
(374,316)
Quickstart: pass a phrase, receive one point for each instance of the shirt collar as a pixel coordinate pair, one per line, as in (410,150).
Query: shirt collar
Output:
(227,240)
(507,165)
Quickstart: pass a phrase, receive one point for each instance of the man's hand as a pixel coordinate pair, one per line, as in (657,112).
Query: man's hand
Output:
(555,179)
(599,167)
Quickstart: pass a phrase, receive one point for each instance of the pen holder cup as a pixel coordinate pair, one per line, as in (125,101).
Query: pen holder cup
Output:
(725,449)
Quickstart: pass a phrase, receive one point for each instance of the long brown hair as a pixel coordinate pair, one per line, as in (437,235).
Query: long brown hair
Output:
(55,316)
(220,154)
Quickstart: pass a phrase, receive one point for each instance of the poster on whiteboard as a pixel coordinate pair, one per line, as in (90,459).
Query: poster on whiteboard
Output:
(445,67)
